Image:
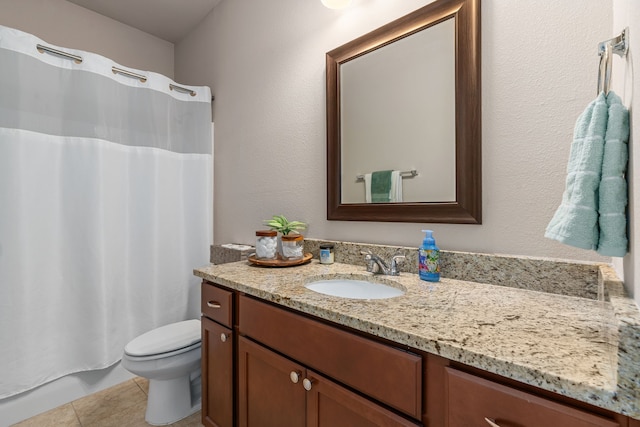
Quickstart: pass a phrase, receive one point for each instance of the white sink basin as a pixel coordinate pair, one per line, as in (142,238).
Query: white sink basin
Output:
(356,289)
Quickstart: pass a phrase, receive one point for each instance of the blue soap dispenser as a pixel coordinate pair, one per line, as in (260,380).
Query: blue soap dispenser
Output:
(429,258)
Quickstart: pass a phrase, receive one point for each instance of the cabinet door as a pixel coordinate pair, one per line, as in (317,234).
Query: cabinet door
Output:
(386,374)
(331,405)
(270,392)
(476,402)
(217,375)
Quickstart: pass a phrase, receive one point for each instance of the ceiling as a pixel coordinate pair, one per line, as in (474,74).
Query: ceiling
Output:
(170,20)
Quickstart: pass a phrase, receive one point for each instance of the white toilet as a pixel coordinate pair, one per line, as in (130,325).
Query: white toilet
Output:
(169,357)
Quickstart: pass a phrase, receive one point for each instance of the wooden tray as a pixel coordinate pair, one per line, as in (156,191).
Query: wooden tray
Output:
(280,262)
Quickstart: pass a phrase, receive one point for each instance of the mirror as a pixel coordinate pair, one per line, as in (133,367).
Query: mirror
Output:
(406,97)
(415,73)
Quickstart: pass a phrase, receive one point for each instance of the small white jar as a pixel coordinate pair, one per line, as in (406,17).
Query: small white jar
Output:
(266,244)
(292,247)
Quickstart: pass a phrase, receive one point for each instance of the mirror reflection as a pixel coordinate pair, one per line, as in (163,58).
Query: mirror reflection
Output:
(397,110)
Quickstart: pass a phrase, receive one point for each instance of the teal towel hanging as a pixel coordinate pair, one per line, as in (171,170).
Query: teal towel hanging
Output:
(612,205)
(592,214)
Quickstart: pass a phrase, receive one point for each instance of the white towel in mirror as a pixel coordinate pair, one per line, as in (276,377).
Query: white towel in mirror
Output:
(395,196)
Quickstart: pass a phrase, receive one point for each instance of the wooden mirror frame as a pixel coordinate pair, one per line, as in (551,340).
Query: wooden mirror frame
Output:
(467,208)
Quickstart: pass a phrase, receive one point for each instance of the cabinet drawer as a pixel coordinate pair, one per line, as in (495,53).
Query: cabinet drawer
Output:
(471,399)
(217,304)
(387,374)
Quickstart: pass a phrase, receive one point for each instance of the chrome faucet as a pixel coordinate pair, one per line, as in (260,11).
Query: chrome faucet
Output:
(376,265)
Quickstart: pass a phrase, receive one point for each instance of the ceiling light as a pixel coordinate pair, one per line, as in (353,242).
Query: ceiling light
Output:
(336,4)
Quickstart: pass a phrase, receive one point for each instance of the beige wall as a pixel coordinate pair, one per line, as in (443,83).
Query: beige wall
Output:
(65,24)
(265,64)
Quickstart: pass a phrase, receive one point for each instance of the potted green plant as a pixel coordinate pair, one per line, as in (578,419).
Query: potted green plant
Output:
(291,244)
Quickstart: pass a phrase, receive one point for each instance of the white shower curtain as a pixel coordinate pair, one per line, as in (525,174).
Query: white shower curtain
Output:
(105,208)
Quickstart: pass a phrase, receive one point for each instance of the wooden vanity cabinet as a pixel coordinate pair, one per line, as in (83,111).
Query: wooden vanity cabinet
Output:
(275,391)
(457,395)
(475,401)
(217,356)
(280,383)
(289,369)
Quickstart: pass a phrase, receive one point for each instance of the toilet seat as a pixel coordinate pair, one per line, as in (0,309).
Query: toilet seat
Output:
(162,355)
(165,341)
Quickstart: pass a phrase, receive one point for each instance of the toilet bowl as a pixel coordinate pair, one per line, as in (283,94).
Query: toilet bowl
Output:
(169,357)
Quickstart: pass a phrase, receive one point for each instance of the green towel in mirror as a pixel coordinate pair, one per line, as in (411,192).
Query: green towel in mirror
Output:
(381,186)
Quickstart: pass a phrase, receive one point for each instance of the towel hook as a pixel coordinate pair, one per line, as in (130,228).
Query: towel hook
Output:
(618,45)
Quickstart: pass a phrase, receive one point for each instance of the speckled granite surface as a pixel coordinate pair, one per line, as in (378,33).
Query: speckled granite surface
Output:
(582,347)
(546,275)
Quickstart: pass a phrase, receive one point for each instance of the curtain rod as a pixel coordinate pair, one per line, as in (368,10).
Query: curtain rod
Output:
(43,49)
(186,90)
(115,70)
(182,89)
(128,73)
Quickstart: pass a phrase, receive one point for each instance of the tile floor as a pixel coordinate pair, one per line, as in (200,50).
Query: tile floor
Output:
(122,405)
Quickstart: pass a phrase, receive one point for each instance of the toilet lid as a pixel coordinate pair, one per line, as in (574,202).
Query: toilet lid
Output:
(165,339)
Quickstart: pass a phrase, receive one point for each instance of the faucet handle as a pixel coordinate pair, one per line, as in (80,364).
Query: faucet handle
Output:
(372,267)
(397,258)
(394,264)
(368,258)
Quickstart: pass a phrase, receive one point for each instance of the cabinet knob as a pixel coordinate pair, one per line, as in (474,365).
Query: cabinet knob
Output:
(213,304)
(223,337)
(491,422)
(307,384)
(295,376)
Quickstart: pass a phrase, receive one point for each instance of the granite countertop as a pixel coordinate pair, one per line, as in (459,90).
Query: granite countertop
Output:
(566,344)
